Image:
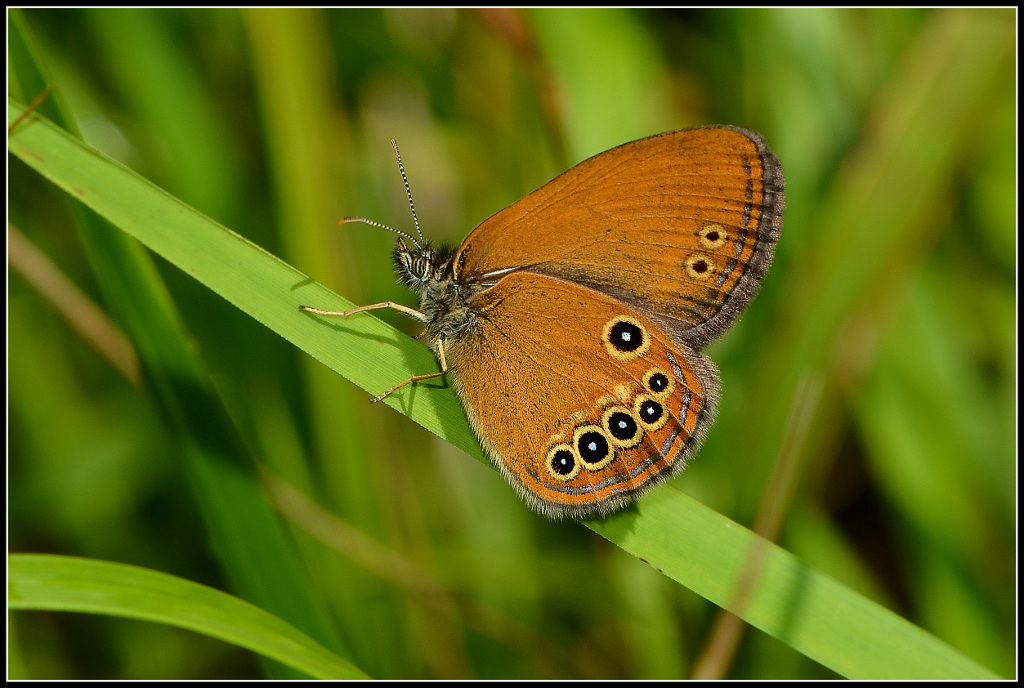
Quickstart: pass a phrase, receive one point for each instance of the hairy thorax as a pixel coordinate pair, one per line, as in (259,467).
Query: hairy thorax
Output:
(444,301)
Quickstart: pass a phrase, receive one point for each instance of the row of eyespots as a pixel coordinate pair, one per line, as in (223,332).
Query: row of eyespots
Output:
(594,445)
(699,266)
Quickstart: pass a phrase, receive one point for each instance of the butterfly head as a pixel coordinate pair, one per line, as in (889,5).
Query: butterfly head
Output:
(424,266)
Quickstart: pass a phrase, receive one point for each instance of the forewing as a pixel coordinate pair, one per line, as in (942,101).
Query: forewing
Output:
(681,225)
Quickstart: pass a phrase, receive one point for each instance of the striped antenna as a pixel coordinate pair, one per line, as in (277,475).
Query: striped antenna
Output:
(408,192)
(401,168)
(367,221)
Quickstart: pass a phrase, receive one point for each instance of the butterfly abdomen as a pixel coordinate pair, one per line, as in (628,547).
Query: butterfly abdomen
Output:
(449,318)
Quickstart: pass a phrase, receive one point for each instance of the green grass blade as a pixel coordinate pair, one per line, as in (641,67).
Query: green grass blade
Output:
(72,584)
(791,601)
(688,542)
(254,551)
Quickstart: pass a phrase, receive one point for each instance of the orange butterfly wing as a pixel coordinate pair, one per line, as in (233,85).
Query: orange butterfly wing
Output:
(581,401)
(590,299)
(681,226)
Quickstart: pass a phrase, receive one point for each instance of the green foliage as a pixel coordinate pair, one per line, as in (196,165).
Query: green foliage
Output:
(885,330)
(82,585)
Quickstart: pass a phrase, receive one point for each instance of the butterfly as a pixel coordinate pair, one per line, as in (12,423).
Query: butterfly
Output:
(571,323)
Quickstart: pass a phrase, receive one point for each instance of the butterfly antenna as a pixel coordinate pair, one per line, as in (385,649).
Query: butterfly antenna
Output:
(367,221)
(408,192)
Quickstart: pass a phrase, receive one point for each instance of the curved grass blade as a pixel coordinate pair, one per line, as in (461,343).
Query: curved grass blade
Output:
(72,584)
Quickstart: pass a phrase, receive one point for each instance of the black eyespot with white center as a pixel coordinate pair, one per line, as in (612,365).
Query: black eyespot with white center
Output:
(651,412)
(593,447)
(622,426)
(625,338)
(623,429)
(562,463)
(659,383)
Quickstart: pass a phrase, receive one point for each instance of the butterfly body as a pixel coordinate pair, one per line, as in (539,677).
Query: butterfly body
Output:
(571,322)
(444,301)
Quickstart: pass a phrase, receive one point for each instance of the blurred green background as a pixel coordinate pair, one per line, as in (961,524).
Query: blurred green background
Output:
(885,329)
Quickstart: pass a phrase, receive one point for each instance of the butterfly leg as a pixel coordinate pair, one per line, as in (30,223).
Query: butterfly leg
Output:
(418,378)
(411,312)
